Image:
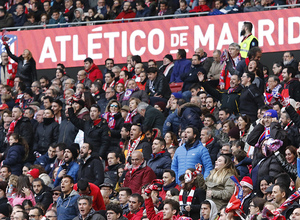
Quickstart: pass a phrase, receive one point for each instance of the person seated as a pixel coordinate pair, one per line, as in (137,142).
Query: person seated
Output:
(232,7)
(142,9)
(183,9)
(201,7)
(57,18)
(164,9)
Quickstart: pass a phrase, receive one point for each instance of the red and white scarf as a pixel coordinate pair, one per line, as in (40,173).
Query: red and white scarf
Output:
(290,124)
(208,142)
(110,85)
(189,198)
(131,147)
(130,115)
(109,117)
(12,126)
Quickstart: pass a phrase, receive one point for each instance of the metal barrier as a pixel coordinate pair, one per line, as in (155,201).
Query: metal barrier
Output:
(126,20)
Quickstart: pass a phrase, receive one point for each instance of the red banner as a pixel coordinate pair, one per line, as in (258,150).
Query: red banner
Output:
(277,30)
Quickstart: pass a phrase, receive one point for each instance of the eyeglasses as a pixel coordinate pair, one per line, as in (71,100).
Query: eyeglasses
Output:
(116,106)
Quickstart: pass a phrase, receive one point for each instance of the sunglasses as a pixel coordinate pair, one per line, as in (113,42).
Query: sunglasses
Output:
(116,106)
(56,194)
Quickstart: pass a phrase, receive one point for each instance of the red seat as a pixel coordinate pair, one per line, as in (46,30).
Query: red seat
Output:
(176,87)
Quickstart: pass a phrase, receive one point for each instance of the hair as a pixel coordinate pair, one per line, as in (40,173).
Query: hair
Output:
(253,51)
(58,102)
(229,122)
(250,75)
(115,207)
(110,102)
(182,53)
(174,204)
(236,45)
(138,196)
(27,202)
(39,180)
(276,78)
(22,141)
(291,70)
(249,25)
(173,137)
(31,110)
(239,155)
(127,190)
(174,192)
(141,3)
(85,197)
(259,202)
(283,178)
(151,70)
(25,214)
(69,177)
(97,85)
(172,172)
(61,146)
(283,188)
(209,131)
(217,176)
(206,202)
(247,119)
(7,167)
(49,98)
(88,59)
(161,141)
(142,105)
(127,126)
(138,101)
(292,149)
(136,58)
(89,100)
(239,143)
(40,211)
(211,117)
(23,181)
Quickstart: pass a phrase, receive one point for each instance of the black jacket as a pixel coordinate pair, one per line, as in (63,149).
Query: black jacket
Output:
(191,77)
(67,132)
(26,71)
(96,135)
(159,163)
(14,158)
(140,94)
(154,118)
(111,175)
(294,89)
(24,128)
(44,197)
(45,135)
(198,198)
(293,115)
(160,87)
(91,170)
(213,149)
(115,133)
(250,101)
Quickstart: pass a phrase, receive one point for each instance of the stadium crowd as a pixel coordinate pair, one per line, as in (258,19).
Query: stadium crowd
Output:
(123,144)
(17,13)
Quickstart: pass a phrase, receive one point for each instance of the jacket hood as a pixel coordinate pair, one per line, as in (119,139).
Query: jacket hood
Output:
(93,67)
(80,10)
(183,107)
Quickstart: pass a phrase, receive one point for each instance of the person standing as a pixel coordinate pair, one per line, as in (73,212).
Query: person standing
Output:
(249,40)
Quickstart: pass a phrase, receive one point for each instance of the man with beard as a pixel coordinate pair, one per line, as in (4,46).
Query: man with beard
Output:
(90,168)
(289,60)
(8,70)
(111,172)
(69,167)
(46,133)
(191,153)
(249,40)
(41,195)
(127,11)
(291,87)
(190,76)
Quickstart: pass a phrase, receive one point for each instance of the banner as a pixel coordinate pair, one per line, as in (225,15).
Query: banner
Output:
(276,30)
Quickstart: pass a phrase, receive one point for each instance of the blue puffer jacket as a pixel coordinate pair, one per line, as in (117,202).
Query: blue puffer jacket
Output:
(159,163)
(72,171)
(184,159)
(46,162)
(172,123)
(14,158)
(190,116)
(180,67)
(67,208)
(242,167)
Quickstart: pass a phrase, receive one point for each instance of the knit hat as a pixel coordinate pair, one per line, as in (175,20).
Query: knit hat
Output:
(73,151)
(29,92)
(4,209)
(177,95)
(79,101)
(169,57)
(121,81)
(271,113)
(247,181)
(162,105)
(234,133)
(3,185)
(46,178)
(34,173)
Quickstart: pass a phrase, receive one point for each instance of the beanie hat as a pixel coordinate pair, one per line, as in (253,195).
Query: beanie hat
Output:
(162,105)
(169,57)
(177,95)
(247,181)
(234,133)
(3,185)
(80,102)
(34,173)
(271,113)
(73,151)
(4,209)
(121,81)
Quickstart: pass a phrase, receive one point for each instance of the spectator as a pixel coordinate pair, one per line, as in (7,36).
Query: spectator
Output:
(289,60)
(191,153)
(90,189)
(202,7)
(95,130)
(86,210)
(208,141)
(183,9)
(215,69)
(164,9)
(67,208)
(57,18)
(47,9)
(133,91)
(69,167)
(114,212)
(127,12)
(142,9)
(291,86)
(8,69)
(182,65)
(208,210)
(47,160)
(101,11)
(138,174)
(124,196)
(5,173)
(51,214)
(152,117)
(46,133)
(169,178)
(160,158)
(241,162)
(135,207)
(90,168)
(92,69)
(30,20)
(19,16)
(167,67)
(69,10)
(110,94)
(109,81)
(247,187)
(6,19)
(41,194)
(35,213)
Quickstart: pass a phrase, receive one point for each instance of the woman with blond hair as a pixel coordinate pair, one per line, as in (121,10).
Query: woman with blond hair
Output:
(220,186)
(26,66)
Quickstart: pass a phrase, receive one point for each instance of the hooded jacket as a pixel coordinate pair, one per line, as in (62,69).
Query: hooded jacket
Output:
(44,197)
(159,162)
(190,116)
(94,73)
(67,208)
(213,211)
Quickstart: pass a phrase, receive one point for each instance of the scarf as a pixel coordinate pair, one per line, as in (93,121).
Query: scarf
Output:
(212,110)
(12,126)
(132,169)
(170,186)
(131,147)
(162,12)
(97,121)
(110,85)
(290,124)
(232,90)
(128,93)
(130,115)
(109,117)
(208,142)
(119,95)
(189,198)
(169,66)
(269,95)
(159,153)
(151,86)
(269,146)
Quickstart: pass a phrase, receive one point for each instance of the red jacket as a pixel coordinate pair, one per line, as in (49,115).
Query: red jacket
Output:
(126,14)
(94,73)
(163,193)
(139,178)
(151,212)
(200,8)
(136,216)
(98,203)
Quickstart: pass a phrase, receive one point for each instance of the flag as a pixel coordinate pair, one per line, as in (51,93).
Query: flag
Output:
(235,202)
